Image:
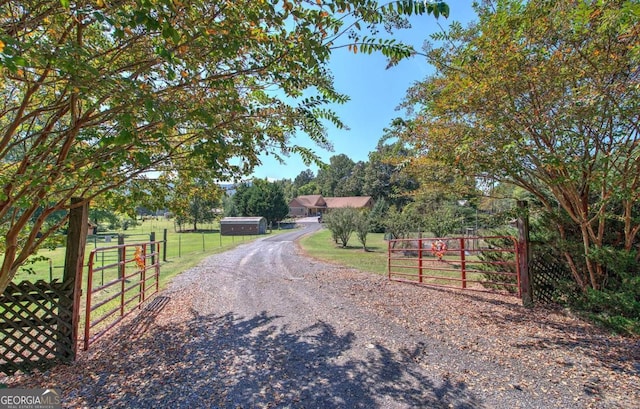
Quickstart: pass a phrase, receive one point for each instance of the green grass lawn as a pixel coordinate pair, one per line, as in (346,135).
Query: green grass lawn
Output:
(375,260)
(184,250)
(321,246)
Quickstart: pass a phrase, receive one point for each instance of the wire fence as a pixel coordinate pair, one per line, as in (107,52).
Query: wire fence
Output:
(174,246)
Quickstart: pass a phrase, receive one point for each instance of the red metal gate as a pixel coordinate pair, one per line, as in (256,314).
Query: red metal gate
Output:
(120,279)
(489,263)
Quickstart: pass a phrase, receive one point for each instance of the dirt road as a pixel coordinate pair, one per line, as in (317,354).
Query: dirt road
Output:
(263,326)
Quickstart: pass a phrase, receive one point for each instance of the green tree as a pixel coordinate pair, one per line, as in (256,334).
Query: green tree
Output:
(351,185)
(547,99)
(194,201)
(261,198)
(229,207)
(399,224)
(333,175)
(106,217)
(97,94)
(362,227)
(377,216)
(383,174)
(441,219)
(341,223)
(310,188)
(305,177)
(288,189)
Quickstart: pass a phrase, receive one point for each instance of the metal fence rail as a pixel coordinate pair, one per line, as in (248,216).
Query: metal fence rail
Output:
(488,263)
(124,285)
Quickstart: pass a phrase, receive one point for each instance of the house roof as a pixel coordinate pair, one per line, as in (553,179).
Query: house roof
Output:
(308,201)
(353,201)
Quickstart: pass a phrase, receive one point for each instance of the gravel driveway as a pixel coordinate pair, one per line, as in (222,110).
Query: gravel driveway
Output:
(263,326)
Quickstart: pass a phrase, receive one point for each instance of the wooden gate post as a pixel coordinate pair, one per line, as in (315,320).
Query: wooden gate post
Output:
(73,265)
(121,256)
(526,290)
(164,244)
(152,239)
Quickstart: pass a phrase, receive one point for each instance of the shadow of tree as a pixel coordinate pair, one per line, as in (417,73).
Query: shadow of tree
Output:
(557,329)
(620,354)
(234,362)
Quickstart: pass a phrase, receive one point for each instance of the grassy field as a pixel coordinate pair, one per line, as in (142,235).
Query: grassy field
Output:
(184,250)
(405,267)
(321,246)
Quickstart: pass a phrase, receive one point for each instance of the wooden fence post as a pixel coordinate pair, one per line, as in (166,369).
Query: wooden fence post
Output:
(526,290)
(152,239)
(121,256)
(164,245)
(420,259)
(73,266)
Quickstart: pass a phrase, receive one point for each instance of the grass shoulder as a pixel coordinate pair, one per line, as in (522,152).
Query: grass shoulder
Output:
(321,246)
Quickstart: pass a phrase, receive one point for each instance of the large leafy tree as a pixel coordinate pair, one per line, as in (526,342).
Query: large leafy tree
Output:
(336,173)
(352,184)
(547,99)
(383,174)
(194,201)
(96,94)
(342,223)
(304,177)
(261,198)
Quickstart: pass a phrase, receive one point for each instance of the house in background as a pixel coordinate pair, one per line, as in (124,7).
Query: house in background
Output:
(314,205)
(357,202)
(305,206)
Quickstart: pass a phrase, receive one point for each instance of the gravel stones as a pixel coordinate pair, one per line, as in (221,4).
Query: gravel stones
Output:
(262,326)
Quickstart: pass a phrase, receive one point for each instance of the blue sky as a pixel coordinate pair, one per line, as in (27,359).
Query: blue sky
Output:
(375,94)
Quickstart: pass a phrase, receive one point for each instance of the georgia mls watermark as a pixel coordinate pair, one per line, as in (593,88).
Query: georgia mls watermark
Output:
(29,399)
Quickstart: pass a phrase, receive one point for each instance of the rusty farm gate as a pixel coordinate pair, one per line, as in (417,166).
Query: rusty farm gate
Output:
(119,280)
(470,263)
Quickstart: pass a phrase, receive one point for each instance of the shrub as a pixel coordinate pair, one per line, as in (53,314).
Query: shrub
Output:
(341,223)
(362,225)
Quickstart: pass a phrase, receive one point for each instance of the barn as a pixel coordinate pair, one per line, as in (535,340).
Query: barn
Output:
(243,226)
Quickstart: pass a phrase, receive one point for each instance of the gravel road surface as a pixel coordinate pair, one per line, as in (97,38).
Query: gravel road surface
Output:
(264,326)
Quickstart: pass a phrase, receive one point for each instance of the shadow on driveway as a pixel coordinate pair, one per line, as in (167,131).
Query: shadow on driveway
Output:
(252,362)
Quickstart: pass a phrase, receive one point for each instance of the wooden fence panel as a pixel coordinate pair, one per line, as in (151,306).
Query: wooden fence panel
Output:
(35,324)
(547,274)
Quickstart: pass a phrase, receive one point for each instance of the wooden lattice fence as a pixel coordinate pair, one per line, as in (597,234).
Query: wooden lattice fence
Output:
(36,326)
(546,275)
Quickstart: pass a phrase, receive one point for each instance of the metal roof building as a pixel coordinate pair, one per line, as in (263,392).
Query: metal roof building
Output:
(243,226)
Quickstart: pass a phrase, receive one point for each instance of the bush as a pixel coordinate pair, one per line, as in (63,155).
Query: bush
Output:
(618,310)
(377,216)
(362,225)
(341,223)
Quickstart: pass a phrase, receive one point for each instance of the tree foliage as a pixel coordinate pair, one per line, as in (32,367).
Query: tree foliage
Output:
(303,178)
(377,216)
(384,177)
(97,94)
(333,175)
(261,198)
(548,99)
(342,223)
(193,200)
(441,219)
(362,227)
